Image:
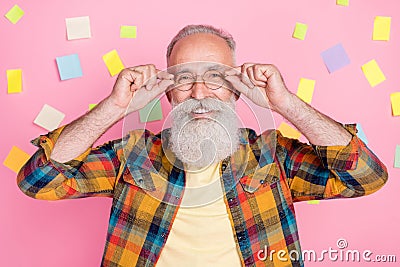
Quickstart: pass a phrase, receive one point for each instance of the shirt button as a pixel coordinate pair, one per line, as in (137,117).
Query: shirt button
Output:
(223,167)
(262,181)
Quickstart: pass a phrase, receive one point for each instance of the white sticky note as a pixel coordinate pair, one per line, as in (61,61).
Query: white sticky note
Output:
(49,118)
(78,28)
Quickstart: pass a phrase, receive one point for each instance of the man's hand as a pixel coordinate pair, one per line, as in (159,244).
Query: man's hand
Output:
(261,83)
(142,84)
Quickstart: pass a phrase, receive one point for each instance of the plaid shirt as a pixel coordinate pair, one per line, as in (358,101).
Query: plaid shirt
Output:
(261,181)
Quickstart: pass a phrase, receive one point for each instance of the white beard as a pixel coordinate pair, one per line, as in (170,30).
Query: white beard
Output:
(200,142)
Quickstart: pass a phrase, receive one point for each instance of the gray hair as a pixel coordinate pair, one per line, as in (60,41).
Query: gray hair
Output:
(194,29)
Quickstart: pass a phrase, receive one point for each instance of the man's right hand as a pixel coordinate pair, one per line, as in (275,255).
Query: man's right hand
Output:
(140,84)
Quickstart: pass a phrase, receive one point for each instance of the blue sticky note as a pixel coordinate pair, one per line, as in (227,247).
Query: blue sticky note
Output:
(69,67)
(335,58)
(361,134)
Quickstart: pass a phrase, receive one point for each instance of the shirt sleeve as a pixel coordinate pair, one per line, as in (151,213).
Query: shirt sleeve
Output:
(92,173)
(320,172)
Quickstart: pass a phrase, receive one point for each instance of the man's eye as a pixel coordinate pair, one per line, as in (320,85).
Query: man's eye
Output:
(185,78)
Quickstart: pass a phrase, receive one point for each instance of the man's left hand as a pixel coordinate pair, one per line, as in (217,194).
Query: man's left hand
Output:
(261,83)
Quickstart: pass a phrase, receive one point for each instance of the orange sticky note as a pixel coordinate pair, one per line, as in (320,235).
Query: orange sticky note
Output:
(289,131)
(16,159)
(14,80)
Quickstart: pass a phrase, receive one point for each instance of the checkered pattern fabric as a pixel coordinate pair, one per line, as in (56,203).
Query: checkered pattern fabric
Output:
(261,181)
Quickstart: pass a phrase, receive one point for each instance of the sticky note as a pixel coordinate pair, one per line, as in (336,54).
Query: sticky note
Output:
(381,28)
(289,131)
(128,31)
(361,134)
(397,157)
(300,31)
(151,112)
(69,67)
(14,14)
(342,2)
(14,81)
(373,73)
(395,99)
(313,202)
(78,28)
(335,58)
(49,118)
(305,89)
(113,62)
(91,106)
(15,159)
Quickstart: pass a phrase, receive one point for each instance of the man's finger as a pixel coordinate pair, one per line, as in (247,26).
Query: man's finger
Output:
(153,77)
(238,84)
(251,75)
(163,75)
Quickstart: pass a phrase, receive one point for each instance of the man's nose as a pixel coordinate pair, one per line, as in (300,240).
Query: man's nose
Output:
(200,90)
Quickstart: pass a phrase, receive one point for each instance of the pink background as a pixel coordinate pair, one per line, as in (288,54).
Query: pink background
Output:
(72,233)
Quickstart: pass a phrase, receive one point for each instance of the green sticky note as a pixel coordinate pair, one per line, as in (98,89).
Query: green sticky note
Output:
(313,202)
(151,112)
(300,31)
(14,14)
(128,32)
(342,2)
(397,157)
(91,106)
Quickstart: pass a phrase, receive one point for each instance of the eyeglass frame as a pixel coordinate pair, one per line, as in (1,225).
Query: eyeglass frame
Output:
(202,80)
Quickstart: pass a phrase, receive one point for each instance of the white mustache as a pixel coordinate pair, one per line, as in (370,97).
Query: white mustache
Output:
(206,104)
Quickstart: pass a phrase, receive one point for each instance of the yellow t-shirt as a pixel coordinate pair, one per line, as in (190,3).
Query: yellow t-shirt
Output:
(201,234)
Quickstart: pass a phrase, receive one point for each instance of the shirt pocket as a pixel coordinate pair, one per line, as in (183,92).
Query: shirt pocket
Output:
(139,177)
(266,175)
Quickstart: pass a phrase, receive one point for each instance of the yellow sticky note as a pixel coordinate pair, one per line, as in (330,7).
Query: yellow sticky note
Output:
(305,89)
(381,28)
(313,202)
(14,14)
(300,31)
(289,131)
(113,62)
(128,31)
(373,73)
(91,106)
(395,99)
(342,2)
(16,159)
(14,81)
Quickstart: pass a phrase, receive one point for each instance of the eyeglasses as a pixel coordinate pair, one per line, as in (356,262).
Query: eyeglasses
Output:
(212,79)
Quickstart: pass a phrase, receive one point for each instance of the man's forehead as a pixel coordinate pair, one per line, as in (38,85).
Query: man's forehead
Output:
(197,67)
